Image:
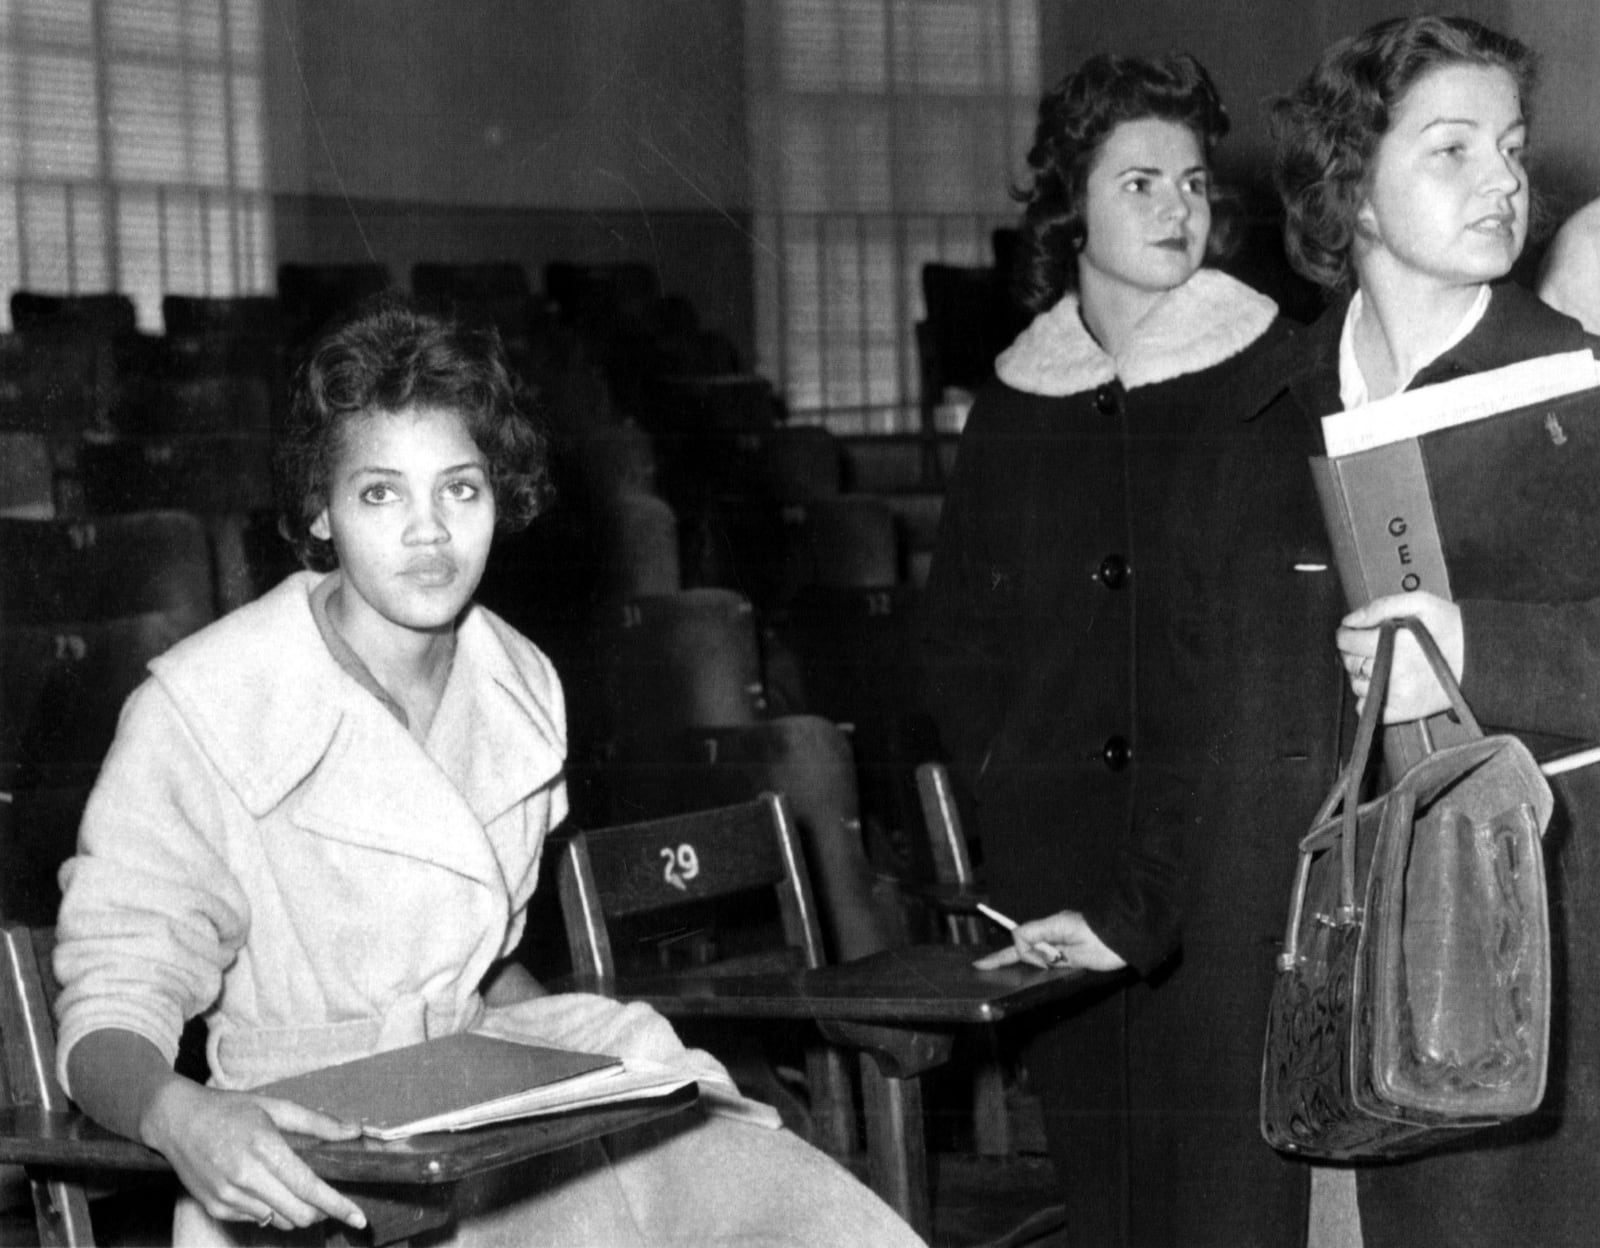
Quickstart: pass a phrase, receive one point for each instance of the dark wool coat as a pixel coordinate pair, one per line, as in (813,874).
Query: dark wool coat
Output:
(1050,536)
(1248,646)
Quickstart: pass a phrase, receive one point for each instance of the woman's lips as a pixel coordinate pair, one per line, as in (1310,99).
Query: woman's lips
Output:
(431,573)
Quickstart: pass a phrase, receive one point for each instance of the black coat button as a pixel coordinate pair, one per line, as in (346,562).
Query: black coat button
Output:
(1116,752)
(1105,400)
(1113,573)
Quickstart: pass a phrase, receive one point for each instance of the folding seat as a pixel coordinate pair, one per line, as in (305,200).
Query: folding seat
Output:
(673,661)
(497,290)
(604,298)
(248,555)
(56,384)
(801,463)
(639,547)
(916,515)
(849,541)
(232,318)
(615,457)
(126,357)
(709,434)
(848,653)
(216,336)
(310,294)
(106,315)
(27,476)
(239,404)
(84,606)
(206,473)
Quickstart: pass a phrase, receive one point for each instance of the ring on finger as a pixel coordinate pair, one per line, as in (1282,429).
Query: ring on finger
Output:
(265,1219)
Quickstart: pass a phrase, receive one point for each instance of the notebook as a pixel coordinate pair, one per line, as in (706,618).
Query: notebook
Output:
(467,1080)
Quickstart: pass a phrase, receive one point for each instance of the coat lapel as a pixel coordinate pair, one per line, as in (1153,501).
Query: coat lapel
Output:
(375,788)
(286,726)
(497,733)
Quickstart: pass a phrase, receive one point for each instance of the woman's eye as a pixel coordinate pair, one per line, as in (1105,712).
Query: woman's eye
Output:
(462,491)
(1197,186)
(379,493)
(1136,186)
(1452,150)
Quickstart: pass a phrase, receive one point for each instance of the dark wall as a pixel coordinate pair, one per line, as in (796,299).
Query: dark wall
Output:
(531,130)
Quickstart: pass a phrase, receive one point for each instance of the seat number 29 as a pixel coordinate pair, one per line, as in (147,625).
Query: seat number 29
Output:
(682,865)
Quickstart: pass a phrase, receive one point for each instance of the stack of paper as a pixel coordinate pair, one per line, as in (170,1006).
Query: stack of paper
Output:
(469,1080)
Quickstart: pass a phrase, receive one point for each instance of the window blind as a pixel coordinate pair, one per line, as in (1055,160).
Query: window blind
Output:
(131,149)
(886,134)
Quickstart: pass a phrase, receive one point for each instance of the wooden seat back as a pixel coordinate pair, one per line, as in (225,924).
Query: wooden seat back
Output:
(608,875)
(28,1063)
(674,661)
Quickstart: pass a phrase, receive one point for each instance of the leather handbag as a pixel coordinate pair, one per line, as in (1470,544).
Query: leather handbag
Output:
(1412,999)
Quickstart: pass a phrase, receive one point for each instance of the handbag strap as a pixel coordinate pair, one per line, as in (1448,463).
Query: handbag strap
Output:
(1346,790)
(1441,671)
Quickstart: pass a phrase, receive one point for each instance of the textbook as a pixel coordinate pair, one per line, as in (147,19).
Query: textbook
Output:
(1438,489)
(469,1080)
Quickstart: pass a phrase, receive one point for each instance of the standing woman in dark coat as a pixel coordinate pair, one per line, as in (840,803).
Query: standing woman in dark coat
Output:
(1049,538)
(1400,161)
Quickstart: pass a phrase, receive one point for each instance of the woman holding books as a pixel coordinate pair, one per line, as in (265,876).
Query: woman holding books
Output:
(320,826)
(1049,538)
(1400,163)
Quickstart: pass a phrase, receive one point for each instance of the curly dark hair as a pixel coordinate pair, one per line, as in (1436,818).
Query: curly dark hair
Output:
(1327,130)
(1075,119)
(389,353)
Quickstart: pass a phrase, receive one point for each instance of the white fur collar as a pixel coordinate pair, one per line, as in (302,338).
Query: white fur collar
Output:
(1208,319)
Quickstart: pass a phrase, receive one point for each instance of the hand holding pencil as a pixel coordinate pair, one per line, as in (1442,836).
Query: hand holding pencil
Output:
(1051,943)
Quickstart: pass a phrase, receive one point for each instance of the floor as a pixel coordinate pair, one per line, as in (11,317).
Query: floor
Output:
(994,1202)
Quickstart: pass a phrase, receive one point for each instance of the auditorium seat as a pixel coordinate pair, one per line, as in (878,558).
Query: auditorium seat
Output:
(210,473)
(86,604)
(106,315)
(800,463)
(56,384)
(233,318)
(309,294)
(498,290)
(27,476)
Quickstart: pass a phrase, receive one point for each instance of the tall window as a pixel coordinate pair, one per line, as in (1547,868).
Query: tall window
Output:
(886,133)
(131,149)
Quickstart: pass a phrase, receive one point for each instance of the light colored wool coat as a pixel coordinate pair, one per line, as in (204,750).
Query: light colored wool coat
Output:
(269,847)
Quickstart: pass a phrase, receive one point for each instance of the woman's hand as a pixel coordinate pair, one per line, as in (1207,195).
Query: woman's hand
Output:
(1056,941)
(1414,691)
(230,1155)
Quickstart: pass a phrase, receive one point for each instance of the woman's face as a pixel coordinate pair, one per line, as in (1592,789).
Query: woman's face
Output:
(1447,195)
(411,514)
(1147,214)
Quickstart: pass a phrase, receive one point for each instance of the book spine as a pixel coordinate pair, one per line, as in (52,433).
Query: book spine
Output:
(1379,511)
(1341,531)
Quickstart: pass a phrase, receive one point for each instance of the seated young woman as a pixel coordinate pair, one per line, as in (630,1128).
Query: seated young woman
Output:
(320,825)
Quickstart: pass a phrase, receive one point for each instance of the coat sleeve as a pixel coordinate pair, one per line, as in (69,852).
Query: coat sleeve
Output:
(151,914)
(969,600)
(1534,667)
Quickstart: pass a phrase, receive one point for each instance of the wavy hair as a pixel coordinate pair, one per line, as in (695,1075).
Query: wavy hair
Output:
(1327,130)
(1075,119)
(388,354)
